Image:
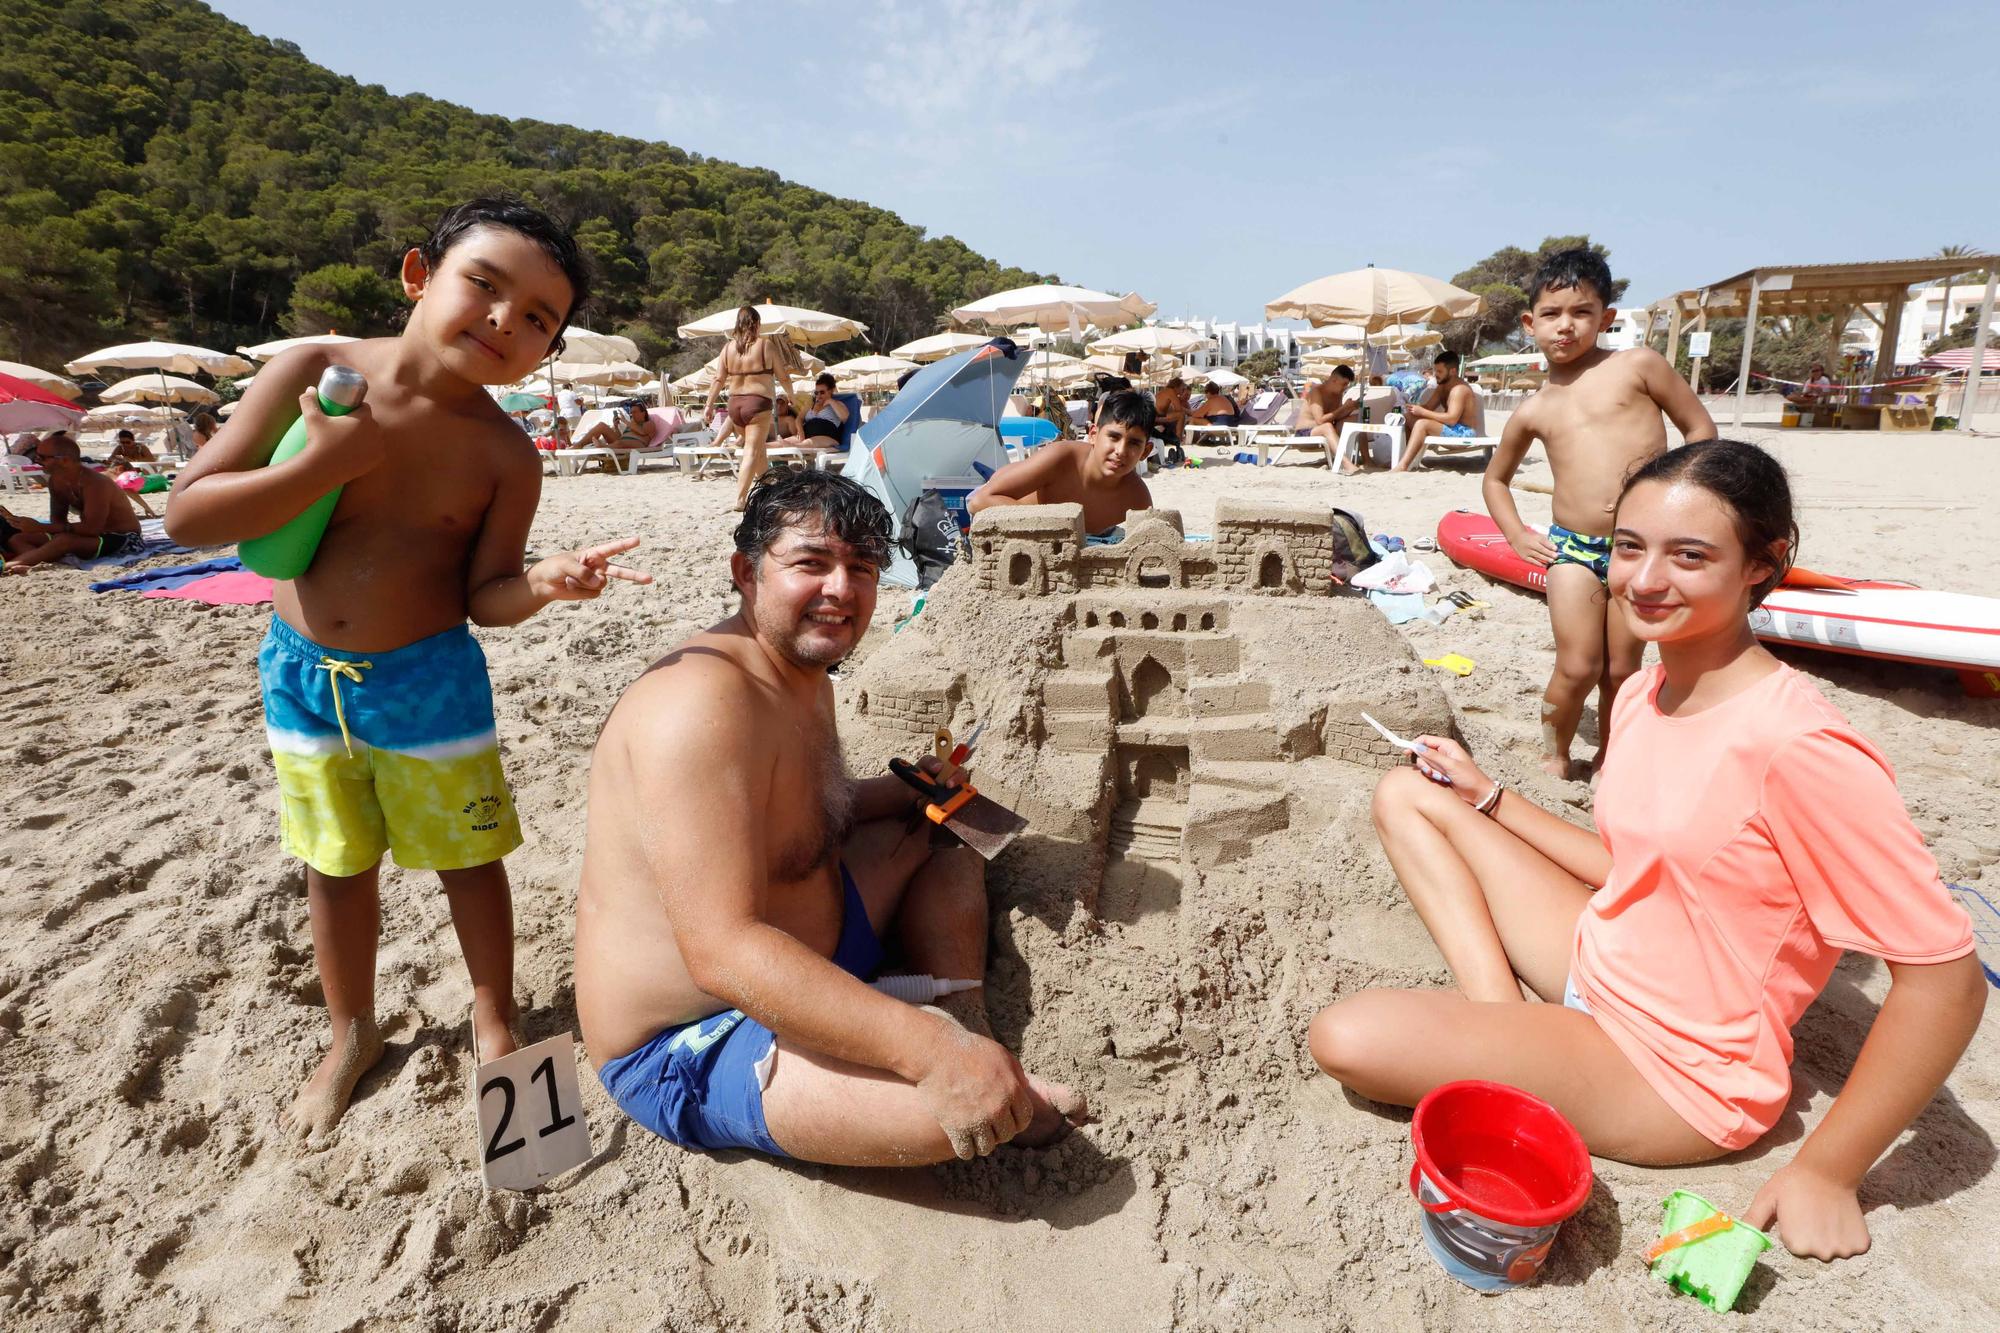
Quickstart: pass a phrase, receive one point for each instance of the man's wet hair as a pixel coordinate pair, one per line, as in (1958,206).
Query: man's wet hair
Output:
(817,501)
(126,435)
(1446,358)
(1568,270)
(1127,407)
(1345,371)
(512,213)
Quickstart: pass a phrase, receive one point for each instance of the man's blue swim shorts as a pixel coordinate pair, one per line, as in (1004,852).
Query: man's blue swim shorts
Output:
(701,1085)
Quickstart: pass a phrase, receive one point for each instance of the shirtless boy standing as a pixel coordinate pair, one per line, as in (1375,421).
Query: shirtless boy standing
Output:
(1598,417)
(376,699)
(723,950)
(104,524)
(1095,472)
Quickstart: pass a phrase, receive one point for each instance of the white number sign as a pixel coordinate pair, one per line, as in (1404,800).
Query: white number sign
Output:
(1698,343)
(531,1122)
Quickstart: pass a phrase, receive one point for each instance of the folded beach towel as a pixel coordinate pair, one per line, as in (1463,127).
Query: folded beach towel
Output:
(153,534)
(238,587)
(170,576)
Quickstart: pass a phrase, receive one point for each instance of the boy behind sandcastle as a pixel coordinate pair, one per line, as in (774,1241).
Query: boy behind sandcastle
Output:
(1598,418)
(376,699)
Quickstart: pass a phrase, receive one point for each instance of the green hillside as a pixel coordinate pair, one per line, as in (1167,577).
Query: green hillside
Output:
(167,172)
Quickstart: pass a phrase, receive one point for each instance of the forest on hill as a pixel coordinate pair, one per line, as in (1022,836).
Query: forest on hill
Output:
(165,172)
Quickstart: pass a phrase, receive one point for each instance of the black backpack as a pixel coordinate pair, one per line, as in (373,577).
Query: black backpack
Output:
(934,538)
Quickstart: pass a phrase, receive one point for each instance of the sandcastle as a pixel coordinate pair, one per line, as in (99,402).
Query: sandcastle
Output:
(1155,697)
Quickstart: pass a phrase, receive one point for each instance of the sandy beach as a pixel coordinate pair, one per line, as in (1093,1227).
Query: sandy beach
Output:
(159,1006)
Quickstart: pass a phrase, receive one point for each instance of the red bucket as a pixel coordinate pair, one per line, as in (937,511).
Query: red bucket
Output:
(1497,1171)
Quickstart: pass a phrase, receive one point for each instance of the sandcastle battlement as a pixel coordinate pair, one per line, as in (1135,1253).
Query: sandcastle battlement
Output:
(1258,548)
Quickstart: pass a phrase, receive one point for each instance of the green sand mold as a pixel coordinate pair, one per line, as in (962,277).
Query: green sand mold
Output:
(1714,1268)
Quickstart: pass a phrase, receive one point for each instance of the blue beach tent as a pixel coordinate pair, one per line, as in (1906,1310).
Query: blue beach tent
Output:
(944,423)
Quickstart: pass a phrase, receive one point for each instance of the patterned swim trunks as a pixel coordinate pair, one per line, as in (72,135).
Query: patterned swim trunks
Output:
(391,751)
(1578,548)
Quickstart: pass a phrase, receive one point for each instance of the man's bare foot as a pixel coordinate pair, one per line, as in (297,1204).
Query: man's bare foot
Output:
(323,1099)
(1057,1111)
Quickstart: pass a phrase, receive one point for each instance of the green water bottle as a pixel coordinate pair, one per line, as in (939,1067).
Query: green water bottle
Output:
(286,553)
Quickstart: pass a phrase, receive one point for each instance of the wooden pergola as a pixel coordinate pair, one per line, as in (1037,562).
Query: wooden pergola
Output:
(1827,289)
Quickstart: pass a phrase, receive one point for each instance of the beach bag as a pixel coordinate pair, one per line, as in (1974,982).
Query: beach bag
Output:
(1351,550)
(933,539)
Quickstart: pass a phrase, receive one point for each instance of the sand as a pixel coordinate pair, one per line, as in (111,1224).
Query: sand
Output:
(158,1004)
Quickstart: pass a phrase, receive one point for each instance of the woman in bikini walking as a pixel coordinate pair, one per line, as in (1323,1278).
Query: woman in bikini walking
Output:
(751,367)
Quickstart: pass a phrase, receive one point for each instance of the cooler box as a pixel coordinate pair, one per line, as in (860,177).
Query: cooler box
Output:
(954,491)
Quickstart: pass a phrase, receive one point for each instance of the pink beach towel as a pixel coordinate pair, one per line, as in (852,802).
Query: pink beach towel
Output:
(239,587)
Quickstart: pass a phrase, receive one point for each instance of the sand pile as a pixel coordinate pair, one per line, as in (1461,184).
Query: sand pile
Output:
(158,1004)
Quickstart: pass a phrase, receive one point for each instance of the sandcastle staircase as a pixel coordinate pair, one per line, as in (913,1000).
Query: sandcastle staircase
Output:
(1156,681)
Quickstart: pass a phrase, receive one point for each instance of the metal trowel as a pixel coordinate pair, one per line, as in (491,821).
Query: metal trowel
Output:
(979,822)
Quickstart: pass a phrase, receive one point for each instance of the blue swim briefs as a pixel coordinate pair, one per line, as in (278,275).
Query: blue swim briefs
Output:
(1458,432)
(1579,548)
(701,1085)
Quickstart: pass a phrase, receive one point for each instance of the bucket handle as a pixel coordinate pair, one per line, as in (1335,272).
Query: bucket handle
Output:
(1446,1207)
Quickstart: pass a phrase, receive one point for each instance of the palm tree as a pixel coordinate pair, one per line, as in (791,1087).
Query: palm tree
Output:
(1950,252)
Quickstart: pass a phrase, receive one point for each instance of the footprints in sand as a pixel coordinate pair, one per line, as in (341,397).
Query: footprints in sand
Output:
(149,1038)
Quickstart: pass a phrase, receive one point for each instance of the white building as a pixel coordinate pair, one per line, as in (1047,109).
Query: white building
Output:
(1924,320)
(1236,342)
(1627,328)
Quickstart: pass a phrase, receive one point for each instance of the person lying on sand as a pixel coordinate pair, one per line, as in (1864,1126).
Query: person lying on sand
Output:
(740,889)
(377,704)
(105,523)
(1746,836)
(137,485)
(1095,472)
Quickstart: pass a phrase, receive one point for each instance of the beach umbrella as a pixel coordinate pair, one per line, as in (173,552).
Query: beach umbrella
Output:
(807,328)
(112,415)
(1055,307)
(583,346)
(871,365)
(1114,364)
(522,402)
(1221,376)
(938,346)
(48,381)
(180,358)
(1330,333)
(1152,339)
(25,406)
(610,372)
(160,389)
(265,351)
(1375,299)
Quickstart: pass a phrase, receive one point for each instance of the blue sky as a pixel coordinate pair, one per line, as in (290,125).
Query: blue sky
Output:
(1214,156)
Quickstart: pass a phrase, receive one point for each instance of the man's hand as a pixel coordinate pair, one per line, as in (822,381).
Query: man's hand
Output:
(343,447)
(977,1090)
(1534,547)
(580,576)
(1818,1217)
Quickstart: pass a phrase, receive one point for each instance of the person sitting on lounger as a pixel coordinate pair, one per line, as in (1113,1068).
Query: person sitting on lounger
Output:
(105,523)
(822,424)
(630,429)
(723,955)
(1451,409)
(1216,408)
(1097,472)
(128,447)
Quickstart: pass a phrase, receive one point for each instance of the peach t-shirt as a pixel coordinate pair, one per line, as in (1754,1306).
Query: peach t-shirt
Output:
(1750,844)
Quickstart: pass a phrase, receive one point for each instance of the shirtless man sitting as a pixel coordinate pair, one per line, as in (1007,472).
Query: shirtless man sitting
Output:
(739,889)
(105,522)
(1325,408)
(1095,472)
(1451,409)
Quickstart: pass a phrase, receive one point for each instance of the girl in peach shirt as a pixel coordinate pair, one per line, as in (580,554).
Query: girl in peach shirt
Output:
(1747,835)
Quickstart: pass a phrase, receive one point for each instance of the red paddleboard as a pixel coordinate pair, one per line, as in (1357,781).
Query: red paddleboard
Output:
(1892,621)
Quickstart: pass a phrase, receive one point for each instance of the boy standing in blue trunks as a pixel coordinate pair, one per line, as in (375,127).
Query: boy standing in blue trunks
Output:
(376,700)
(1598,417)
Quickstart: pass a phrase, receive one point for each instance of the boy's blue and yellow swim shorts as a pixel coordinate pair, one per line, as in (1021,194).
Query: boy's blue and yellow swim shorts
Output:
(389,751)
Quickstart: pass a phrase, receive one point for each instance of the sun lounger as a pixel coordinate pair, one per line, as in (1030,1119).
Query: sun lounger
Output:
(570,462)
(20,474)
